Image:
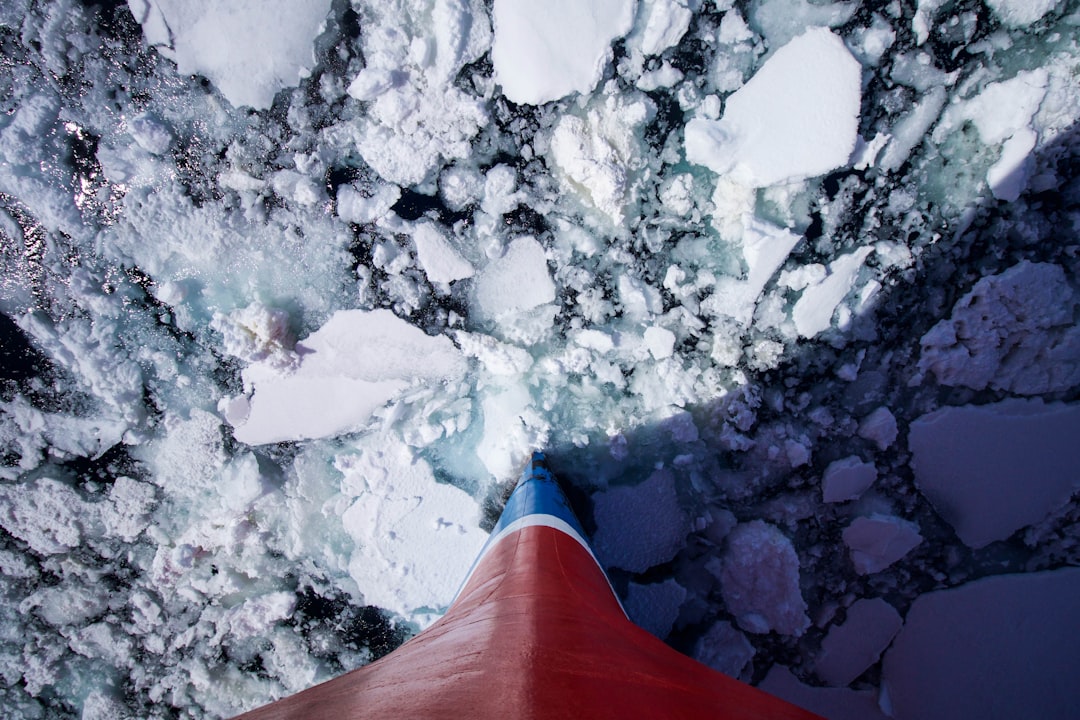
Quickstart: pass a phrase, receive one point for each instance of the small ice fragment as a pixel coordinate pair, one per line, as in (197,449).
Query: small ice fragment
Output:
(813,311)
(655,607)
(849,649)
(724,648)
(519,280)
(356,207)
(660,341)
(370,83)
(665,24)
(879,427)
(1021,13)
(760,580)
(876,542)
(847,479)
(442,263)
(151,133)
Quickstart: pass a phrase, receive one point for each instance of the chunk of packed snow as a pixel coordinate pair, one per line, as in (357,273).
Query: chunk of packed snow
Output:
(257,333)
(248,49)
(660,341)
(759,581)
(655,607)
(796,118)
(356,207)
(765,247)
(545,51)
(879,427)
(441,261)
(832,703)
(876,542)
(1003,646)
(517,281)
(350,367)
(724,648)
(1014,331)
(415,537)
(596,155)
(639,526)
(151,133)
(1018,13)
(665,22)
(512,429)
(46,514)
(847,479)
(990,470)
(813,311)
(849,649)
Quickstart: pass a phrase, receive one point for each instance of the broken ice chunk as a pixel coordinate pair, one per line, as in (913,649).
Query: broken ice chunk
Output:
(724,648)
(813,311)
(248,49)
(847,479)
(660,341)
(993,469)
(879,427)
(350,367)
(849,649)
(441,261)
(876,542)
(517,281)
(760,580)
(639,526)
(796,118)
(545,51)
(655,607)
(356,207)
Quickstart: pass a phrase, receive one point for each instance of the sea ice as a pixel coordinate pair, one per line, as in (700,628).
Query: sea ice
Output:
(1018,13)
(877,541)
(1014,331)
(832,703)
(415,537)
(441,261)
(814,310)
(513,289)
(249,49)
(639,526)
(880,428)
(796,118)
(724,648)
(545,51)
(847,479)
(353,365)
(759,580)
(990,470)
(1003,646)
(655,607)
(849,649)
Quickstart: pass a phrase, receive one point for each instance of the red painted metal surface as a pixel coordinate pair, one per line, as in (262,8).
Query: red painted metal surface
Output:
(535,633)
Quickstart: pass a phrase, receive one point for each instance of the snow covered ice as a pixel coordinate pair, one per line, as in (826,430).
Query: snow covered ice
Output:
(787,290)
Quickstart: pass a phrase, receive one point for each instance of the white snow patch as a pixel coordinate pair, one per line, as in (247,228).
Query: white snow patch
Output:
(760,581)
(415,537)
(353,365)
(849,649)
(1003,646)
(545,51)
(796,118)
(993,469)
(249,49)
(876,542)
